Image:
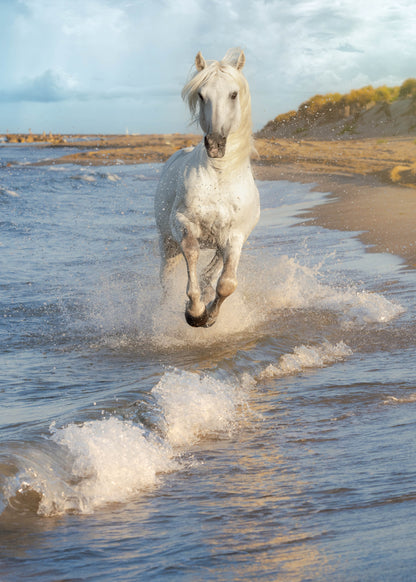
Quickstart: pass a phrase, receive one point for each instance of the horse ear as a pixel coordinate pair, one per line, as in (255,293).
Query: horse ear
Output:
(200,62)
(240,61)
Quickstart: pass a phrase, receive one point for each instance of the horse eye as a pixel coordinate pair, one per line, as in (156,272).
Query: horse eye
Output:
(233,95)
(200,96)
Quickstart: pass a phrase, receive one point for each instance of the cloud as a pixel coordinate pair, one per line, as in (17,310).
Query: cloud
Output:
(346,47)
(77,52)
(53,86)
(47,87)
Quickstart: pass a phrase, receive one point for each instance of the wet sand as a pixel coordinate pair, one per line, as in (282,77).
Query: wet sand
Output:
(372,182)
(370,186)
(384,216)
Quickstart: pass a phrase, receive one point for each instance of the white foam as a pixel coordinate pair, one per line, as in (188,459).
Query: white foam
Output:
(306,357)
(296,286)
(194,406)
(95,463)
(56,168)
(112,177)
(89,465)
(84,177)
(403,400)
(112,460)
(9,192)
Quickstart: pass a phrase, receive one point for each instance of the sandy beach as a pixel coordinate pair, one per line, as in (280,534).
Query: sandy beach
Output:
(371,182)
(370,185)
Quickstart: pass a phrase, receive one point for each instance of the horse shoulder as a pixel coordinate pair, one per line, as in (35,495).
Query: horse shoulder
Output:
(170,175)
(176,157)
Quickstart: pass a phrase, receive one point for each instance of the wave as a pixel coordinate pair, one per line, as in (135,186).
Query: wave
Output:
(305,357)
(84,466)
(8,192)
(296,286)
(88,465)
(402,400)
(93,176)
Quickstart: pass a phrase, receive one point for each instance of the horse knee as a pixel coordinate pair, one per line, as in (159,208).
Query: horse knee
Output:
(226,286)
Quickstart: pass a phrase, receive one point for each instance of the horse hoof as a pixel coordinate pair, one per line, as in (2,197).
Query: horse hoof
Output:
(200,321)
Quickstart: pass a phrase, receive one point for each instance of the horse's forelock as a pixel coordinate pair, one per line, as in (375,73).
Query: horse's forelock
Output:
(199,78)
(240,144)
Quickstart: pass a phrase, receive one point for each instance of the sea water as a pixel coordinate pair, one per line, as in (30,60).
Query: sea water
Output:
(276,445)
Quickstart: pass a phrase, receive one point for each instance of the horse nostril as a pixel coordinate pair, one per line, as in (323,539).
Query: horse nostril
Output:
(215,145)
(215,138)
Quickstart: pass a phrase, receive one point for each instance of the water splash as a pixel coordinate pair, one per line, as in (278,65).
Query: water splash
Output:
(265,293)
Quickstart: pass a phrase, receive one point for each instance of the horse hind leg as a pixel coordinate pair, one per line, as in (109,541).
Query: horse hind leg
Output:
(171,255)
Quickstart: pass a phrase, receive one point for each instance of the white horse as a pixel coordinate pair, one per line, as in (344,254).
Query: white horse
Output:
(206,196)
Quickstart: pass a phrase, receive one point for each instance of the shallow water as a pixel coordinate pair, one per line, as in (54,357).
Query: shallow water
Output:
(276,445)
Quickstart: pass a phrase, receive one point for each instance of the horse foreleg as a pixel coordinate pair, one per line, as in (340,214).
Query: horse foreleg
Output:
(196,313)
(227,282)
(209,274)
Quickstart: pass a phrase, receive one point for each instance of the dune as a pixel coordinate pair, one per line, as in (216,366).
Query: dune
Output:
(363,155)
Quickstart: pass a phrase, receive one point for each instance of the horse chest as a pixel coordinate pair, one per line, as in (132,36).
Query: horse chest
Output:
(214,208)
(210,205)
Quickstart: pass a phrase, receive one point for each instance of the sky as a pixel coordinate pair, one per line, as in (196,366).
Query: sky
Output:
(112,66)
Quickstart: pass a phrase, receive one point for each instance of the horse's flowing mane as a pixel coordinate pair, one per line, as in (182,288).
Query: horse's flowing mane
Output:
(239,143)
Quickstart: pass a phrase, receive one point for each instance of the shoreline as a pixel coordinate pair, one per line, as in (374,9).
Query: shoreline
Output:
(371,183)
(383,216)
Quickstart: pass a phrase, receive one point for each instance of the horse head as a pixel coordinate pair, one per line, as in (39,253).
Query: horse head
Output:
(216,95)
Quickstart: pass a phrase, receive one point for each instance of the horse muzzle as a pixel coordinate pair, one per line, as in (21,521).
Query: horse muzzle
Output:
(215,145)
